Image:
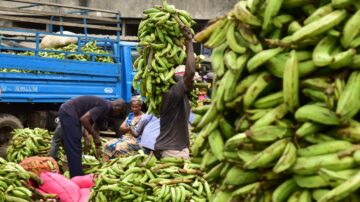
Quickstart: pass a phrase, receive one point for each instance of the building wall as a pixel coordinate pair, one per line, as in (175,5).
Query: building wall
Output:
(199,9)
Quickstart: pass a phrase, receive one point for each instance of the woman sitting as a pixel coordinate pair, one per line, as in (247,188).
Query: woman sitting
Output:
(129,141)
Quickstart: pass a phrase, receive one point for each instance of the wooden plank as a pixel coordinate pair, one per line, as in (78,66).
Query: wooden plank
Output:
(46,13)
(69,24)
(65,6)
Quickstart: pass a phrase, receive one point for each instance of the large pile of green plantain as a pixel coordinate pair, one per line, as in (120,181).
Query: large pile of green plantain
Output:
(163,49)
(143,178)
(284,121)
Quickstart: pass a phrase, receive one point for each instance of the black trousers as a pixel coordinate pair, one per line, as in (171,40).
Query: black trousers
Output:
(72,135)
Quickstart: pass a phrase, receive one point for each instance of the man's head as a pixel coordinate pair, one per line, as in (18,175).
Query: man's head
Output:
(118,107)
(179,72)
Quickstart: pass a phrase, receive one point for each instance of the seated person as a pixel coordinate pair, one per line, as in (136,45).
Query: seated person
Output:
(149,129)
(129,141)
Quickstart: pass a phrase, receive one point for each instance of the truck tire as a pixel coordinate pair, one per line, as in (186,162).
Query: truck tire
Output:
(8,123)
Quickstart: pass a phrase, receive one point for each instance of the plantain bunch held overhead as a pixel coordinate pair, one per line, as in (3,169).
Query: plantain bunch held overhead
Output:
(284,122)
(162,43)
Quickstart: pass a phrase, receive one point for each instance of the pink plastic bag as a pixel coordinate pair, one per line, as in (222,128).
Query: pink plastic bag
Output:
(65,189)
(86,181)
(85,194)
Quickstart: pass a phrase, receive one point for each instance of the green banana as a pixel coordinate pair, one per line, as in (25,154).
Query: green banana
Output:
(322,52)
(217,59)
(343,190)
(261,58)
(343,59)
(310,165)
(216,144)
(270,117)
(351,30)
(319,26)
(269,101)
(310,181)
(278,21)
(324,148)
(247,189)
(231,39)
(293,27)
(256,88)
(319,13)
(268,155)
(287,159)
(308,128)
(238,176)
(291,83)
(348,105)
(283,191)
(268,133)
(350,133)
(243,14)
(272,8)
(316,113)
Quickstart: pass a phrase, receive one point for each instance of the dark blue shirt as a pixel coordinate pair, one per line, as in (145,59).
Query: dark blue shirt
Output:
(98,108)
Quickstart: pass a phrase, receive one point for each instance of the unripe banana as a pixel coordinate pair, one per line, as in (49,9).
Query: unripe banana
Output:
(305,196)
(291,83)
(247,189)
(272,8)
(275,114)
(216,144)
(287,159)
(351,29)
(319,26)
(343,190)
(348,104)
(310,165)
(351,134)
(231,39)
(319,13)
(324,148)
(204,35)
(268,133)
(317,113)
(238,176)
(217,59)
(278,21)
(244,15)
(283,191)
(343,59)
(261,58)
(322,52)
(310,181)
(268,155)
(256,88)
(269,101)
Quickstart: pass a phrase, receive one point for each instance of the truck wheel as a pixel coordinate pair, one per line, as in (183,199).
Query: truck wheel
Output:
(8,123)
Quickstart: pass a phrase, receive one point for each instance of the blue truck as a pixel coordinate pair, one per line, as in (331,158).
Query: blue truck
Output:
(32,87)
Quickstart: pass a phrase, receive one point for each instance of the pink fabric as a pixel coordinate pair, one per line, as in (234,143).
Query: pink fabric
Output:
(86,181)
(58,184)
(85,194)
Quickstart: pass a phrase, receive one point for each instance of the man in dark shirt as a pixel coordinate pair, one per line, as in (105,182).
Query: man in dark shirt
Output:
(85,111)
(175,109)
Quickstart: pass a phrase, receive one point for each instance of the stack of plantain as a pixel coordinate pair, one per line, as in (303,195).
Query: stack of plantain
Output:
(28,142)
(144,178)
(284,122)
(14,182)
(163,49)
